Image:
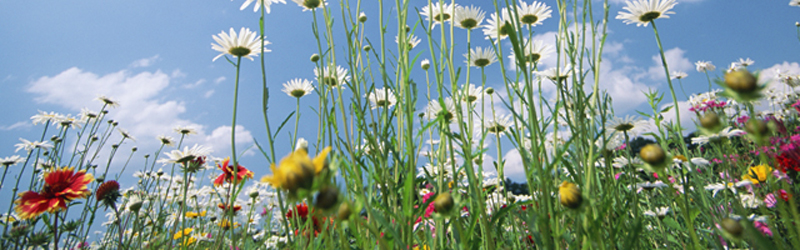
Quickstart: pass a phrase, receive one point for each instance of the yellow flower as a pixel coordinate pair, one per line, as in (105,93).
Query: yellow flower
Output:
(758,173)
(182,233)
(225,224)
(195,214)
(188,241)
(570,195)
(297,170)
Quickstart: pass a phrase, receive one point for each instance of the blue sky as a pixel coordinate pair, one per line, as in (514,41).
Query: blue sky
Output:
(154,57)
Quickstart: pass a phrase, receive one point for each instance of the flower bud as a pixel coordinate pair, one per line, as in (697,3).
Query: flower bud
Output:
(443,203)
(489,91)
(315,57)
(367,48)
(710,120)
(425,64)
(741,81)
(362,17)
(344,211)
(327,197)
(570,195)
(731,226)
(653,154)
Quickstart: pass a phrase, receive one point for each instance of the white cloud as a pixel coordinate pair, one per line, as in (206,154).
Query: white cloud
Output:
(675,61)
(195,84)
(219,79)
(208,94)
(514,168)
(22,124)
(220,140)
(144,62)
(145,110)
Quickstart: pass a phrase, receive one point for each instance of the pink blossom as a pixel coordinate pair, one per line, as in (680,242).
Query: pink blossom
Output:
(770,200)
(763,228)
(616,176)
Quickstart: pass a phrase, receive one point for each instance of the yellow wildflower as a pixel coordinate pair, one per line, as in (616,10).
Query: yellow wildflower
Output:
(195,214)
(297,170)
(758,173)
(182,233)
(570,195)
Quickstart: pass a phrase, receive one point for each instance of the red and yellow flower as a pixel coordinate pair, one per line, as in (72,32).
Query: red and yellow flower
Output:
(60,187)
(229,172)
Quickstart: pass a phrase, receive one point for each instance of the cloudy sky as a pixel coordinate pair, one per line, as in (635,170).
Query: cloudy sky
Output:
(154,57)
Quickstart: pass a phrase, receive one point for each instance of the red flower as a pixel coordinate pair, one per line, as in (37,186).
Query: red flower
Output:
(784,195)
(302,211)
(228,173)
(224,207)
(60,187)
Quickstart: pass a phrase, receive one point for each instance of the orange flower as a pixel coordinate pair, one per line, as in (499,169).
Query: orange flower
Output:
(61,186)
(228,173)
(224,207)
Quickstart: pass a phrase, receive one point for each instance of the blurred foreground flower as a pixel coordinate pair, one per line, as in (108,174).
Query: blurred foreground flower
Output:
(296,170)
(61,186)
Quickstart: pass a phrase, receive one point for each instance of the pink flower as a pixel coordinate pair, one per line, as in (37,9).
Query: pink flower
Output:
(616,176)
(770,200)
(763,228)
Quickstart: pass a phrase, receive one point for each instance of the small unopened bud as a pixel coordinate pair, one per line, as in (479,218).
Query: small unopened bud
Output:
(115,124)
(367,48)
(104,112)
(54,138)
(114,146)
(110,121)
(254,194)
(100,179)
(315,57)
(134,149)
(797,24)
(489,90)
(408,29)
(362,17)
(425,64)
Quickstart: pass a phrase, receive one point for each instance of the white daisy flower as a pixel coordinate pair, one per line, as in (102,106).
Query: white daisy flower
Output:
(555,73)
(425,64)
(411,40)
(498,125)
(178,156)
(435,108)
(244,44)
(185,130)
(533,14)
(439,13)
(794,3)
(474,93)
(660,212)
(480,57)
(629,124)
(258,4)
(382,98)
(743,63)
(725,133)
(678,75)
(750,201)
(497,27)
(535,51)
(468,17)
(298,87)
(44,117)
(166,140)
(622,162)
(642,12)
(716,187)
(11,160)
(29,145)
(704,66)
(333,77)
(125,134)
(108,101)
(310,4)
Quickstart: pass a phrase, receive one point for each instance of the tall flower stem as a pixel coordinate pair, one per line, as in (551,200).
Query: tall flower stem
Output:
(677,130)
(232,199)
(296,122)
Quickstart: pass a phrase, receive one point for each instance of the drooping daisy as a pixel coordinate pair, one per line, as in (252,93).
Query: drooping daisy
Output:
(642,12)
(258,4)
(704,66)
(11,160)
(435,108)
(497,26)
(382,98)
(480,57)
(244,44)
(166,140)
(411,41)
(310,4)
(555,73)
(231,174)
(298,87)
(498,125)
(125,134)
(108,101)
(439,13)
(29,145)
(533,14)
(468,17)
(678,75)
(60,187)
(726,133)
(333,77)
(535,51)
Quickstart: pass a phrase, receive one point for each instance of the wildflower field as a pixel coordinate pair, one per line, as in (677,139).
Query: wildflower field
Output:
(428,125)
